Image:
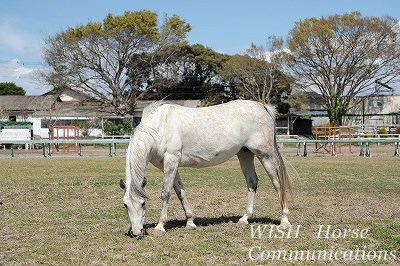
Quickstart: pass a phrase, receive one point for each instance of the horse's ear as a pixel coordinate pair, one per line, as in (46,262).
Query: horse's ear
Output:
(144,182)
(122,184)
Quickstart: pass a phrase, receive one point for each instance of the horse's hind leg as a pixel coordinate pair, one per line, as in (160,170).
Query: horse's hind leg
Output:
(270,167)
(246,159)
(180,192)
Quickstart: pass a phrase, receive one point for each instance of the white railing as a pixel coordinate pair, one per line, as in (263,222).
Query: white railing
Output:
(49,146)
(364,144)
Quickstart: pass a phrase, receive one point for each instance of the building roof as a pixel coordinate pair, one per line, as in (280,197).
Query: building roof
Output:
(29,103)
(56,103)
(69,95)
(314,97)
(66,102)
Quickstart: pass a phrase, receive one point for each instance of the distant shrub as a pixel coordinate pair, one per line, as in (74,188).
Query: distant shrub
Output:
(123,127)
(382,131)
(397,131)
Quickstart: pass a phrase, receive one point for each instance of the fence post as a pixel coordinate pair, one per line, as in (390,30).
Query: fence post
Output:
(396,149)
(367,151)
(361,149)
(305,149)
(333,149)
(12,150)
(298,149)
(44,149)
(79,149)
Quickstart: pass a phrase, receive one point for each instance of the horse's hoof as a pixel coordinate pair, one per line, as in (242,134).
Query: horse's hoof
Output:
(242,222)
(190,226)
(158,232)
(285,225)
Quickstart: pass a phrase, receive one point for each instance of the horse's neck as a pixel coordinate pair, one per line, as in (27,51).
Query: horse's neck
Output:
(139,152)
(142,147)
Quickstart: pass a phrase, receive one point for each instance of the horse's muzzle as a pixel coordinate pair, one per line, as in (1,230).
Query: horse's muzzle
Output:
(143,232)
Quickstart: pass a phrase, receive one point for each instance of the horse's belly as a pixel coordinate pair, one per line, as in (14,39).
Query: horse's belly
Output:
(211,158)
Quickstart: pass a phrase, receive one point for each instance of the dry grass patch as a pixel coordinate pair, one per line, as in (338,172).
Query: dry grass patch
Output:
(59,211)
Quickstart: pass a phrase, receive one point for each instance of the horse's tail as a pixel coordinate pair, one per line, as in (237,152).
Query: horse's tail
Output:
(283,177)
(281,171)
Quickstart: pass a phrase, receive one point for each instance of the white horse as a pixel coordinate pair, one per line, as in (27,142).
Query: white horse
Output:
(172,136)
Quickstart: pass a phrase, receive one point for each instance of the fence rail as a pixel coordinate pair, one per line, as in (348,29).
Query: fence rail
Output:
(364,144)
(48,146)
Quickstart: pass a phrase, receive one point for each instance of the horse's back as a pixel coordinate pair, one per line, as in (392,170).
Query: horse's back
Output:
(210,135)
(229,118)
(234,111)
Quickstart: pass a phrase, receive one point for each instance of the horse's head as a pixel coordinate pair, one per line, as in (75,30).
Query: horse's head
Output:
(135,207)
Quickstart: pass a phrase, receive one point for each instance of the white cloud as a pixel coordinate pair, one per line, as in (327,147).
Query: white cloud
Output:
(14,71)
(24,47)
(22,71)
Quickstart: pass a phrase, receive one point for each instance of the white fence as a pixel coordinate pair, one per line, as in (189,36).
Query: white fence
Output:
(52,147)
(363,143)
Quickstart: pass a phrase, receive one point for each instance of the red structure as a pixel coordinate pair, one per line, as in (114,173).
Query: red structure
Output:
(65,133)
(332,133)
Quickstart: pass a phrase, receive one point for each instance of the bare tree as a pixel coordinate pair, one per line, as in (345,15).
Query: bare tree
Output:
(342,56)
(95,58)
(258,75)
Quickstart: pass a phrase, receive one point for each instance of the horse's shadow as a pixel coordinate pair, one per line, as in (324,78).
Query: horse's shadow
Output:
(209,221)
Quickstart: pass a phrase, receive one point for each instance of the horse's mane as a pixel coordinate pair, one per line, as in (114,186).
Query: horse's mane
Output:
(149,110)
(140,148)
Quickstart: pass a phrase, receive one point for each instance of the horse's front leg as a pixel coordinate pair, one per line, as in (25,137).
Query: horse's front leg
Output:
(180,192)
(171,163)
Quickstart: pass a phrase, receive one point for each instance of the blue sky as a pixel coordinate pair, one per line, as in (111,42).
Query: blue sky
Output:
(224,25)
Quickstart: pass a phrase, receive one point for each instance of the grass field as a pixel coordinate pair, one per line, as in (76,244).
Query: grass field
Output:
(69,211)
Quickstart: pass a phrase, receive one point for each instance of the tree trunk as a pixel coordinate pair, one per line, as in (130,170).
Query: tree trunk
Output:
(336,113)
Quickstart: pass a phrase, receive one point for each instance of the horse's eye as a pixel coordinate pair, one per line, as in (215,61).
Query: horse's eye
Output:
(126,206)
(143,204)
